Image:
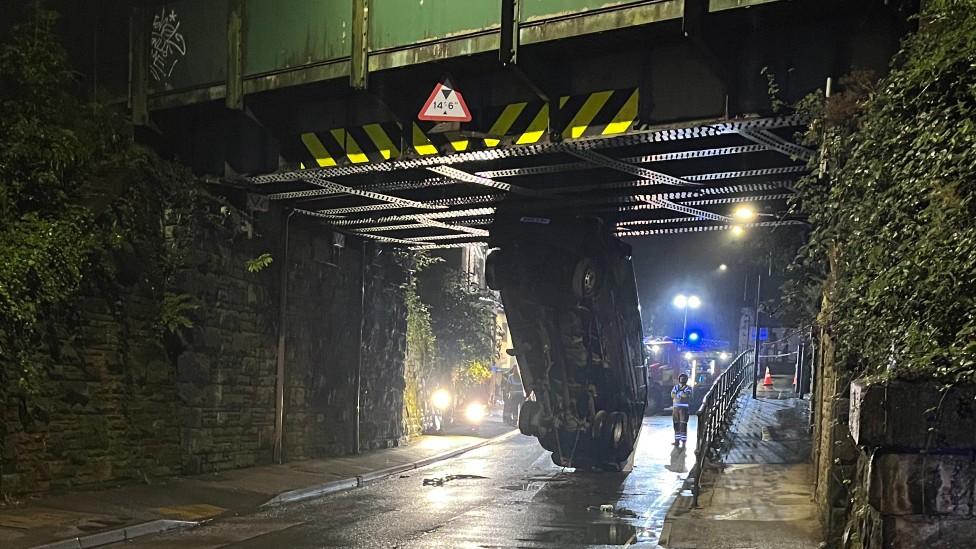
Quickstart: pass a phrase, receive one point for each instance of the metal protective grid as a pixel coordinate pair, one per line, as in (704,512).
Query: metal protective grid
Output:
(467,212)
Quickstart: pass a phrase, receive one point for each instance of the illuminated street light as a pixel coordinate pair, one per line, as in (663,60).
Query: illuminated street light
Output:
(684,302)
(724,356)
(693,337)
(688,356)
(723,267)
(655,349)
(744,213)
(738,231)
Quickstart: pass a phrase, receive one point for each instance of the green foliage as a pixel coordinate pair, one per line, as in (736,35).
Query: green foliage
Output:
(175,310)
(465,323)
(472,374)
(893,203)
(421,343)
(81,206)
(259,263)
(456,338)
(773,90)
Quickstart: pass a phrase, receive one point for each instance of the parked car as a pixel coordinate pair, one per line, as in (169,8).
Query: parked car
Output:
(569,293)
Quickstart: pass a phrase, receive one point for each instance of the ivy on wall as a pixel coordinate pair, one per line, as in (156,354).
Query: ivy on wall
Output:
(451,335)
(81,205)
(893,206)
(466,330)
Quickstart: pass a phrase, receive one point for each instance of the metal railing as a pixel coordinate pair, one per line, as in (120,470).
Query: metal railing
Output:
(715,414)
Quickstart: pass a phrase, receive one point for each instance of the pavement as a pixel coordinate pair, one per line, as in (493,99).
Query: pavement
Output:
(761,494)
(97,517)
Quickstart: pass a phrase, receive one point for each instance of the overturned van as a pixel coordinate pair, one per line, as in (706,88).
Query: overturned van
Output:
(571,302)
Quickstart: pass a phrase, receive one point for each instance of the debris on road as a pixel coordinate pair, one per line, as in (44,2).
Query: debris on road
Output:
(609,509)
(439,481)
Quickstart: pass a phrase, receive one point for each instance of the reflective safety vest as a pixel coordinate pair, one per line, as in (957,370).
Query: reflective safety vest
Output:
(681,396)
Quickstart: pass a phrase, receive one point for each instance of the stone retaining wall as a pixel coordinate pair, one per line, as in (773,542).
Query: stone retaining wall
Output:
(106,409)
(116,404)
(916,473)
(834,453)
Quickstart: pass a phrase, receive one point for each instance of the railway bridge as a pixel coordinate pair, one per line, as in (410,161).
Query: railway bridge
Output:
(658,115)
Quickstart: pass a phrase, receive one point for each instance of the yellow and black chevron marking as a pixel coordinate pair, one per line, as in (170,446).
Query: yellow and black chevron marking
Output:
(608,112)
(423,142)
(601,113)
(358,145)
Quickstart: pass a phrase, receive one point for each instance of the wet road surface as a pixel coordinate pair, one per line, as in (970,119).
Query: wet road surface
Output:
(503,495)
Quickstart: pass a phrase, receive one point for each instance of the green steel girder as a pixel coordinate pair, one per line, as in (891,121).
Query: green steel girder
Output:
(356,53)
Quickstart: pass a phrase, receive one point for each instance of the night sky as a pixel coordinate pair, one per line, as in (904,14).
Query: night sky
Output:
(668,265)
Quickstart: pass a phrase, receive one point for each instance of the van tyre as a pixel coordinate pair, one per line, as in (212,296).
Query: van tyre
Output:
(586,278)
(617,430)
(596,428)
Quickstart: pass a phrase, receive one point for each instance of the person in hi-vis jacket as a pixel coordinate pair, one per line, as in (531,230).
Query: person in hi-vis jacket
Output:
(680,400)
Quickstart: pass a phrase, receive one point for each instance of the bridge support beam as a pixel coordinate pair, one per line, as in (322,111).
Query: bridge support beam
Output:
(235,55)
(359,68)
(509,39)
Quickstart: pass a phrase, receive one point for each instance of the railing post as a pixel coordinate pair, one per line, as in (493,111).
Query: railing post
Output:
(715,416)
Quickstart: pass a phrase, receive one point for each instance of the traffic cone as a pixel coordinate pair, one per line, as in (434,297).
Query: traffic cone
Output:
(768,380)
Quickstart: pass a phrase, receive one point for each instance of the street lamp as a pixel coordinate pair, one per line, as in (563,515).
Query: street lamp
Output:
(684,302)
(738,231)
(744,213)
(723,267)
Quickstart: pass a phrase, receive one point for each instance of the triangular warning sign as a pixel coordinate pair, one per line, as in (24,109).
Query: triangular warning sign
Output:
(445,104)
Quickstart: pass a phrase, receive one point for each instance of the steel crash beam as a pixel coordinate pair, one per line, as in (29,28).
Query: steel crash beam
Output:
(674,206)
(440,220)
(705,228)
(458,175)
(776,143)
(337,188)
(598,159)
(714,129)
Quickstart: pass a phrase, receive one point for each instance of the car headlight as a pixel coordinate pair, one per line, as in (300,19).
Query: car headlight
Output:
(475,412)
(441,399)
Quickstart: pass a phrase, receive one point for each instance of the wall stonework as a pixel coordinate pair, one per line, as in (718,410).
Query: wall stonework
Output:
(107,408)
(322,343)
(226,367)
(118,404)
(385,349)
(895,462)
(834,452)
(916,473)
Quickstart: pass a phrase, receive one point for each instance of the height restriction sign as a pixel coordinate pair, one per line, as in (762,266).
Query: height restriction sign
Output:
(445,104)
